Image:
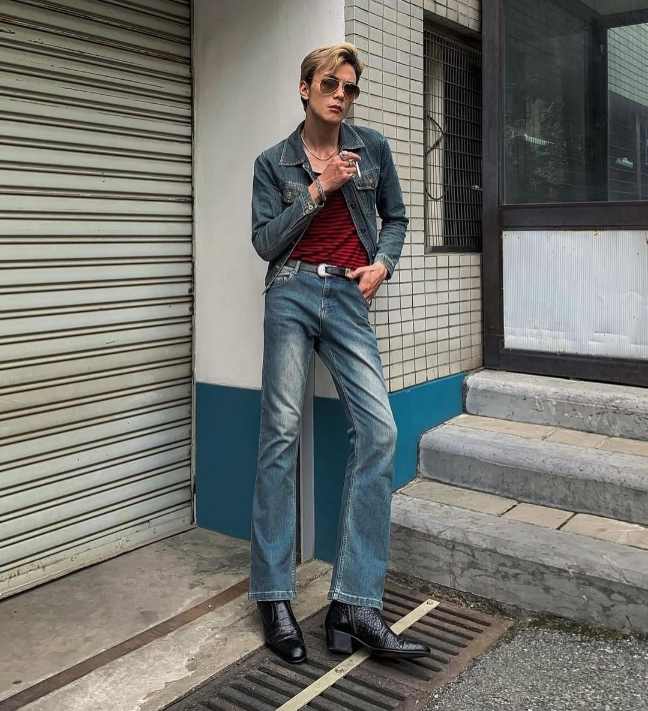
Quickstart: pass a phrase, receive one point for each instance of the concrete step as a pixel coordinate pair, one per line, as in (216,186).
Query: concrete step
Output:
(613,410)
(539,568)
(538,464)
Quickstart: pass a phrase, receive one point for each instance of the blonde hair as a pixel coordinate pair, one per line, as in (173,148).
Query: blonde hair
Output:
(329,57)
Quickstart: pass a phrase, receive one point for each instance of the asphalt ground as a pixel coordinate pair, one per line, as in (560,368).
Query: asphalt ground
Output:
(538,668)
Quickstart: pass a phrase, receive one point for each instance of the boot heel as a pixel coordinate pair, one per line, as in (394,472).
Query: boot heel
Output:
(340,642)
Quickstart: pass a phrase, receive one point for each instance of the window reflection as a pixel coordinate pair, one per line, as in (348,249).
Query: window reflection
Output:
(575,101)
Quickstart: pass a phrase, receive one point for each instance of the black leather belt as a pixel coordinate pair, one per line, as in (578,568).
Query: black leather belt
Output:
(320,269)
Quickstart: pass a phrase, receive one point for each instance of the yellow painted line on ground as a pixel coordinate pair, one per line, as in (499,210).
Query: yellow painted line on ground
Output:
(343,668)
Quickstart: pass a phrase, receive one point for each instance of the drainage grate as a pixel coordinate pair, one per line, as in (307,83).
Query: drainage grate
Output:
(263,681)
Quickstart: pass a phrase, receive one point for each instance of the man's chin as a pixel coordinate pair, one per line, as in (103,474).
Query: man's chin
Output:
(330,117)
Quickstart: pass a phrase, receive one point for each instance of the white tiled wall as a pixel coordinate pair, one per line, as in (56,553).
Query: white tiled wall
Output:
(428,316)
(463,12)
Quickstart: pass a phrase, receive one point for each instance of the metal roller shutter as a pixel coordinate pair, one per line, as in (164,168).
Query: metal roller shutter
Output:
(95,281)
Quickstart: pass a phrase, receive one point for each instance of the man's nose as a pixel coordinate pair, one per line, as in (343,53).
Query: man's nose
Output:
(339,92)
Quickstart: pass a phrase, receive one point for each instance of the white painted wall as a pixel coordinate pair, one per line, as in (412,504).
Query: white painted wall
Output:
(247,55)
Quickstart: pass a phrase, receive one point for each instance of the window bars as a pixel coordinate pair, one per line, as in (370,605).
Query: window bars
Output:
(452,144)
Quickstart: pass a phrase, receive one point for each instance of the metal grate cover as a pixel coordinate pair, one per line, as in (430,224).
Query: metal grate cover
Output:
(452,143)
(263,681)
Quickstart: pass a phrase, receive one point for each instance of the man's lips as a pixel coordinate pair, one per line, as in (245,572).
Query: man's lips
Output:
(335,107)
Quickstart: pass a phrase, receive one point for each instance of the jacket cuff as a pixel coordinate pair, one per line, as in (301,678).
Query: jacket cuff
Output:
(309,206)
(384,259)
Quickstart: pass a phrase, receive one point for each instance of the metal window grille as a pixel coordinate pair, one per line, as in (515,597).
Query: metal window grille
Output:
(452,143)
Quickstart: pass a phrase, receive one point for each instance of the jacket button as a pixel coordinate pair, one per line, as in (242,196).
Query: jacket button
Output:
(353,205)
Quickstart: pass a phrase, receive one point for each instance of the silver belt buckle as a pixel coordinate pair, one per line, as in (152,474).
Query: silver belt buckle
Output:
(321,270)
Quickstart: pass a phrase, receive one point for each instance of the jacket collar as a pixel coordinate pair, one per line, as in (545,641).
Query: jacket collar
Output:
(293,151)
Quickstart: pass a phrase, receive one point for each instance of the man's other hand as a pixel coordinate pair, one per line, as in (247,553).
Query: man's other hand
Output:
(369,278)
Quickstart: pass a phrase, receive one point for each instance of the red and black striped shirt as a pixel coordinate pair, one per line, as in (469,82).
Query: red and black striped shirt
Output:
(331,237)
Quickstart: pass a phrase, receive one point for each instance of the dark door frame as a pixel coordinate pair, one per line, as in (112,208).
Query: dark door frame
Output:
(497,217)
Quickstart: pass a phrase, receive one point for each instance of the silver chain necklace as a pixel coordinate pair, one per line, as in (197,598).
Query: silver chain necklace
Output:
(310,150)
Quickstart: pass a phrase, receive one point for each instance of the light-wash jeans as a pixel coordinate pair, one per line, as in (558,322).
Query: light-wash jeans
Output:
(305,312)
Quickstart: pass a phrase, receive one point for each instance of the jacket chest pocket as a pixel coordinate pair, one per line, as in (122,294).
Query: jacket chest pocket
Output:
(291,191)
(367,182)
(366,185)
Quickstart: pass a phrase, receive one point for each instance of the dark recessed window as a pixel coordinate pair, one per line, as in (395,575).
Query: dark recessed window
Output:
(452,144)
(575,123)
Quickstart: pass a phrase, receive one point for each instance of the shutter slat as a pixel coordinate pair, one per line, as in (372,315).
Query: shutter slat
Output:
(96,281)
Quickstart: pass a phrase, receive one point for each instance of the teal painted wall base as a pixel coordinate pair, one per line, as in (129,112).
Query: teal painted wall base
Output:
(415,410)
(227,436)
(227,441)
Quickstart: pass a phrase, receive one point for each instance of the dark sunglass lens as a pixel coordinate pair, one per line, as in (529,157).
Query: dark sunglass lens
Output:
(352,91)
(328,85)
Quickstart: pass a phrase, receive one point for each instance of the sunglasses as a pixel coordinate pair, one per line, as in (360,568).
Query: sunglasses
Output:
(329,85)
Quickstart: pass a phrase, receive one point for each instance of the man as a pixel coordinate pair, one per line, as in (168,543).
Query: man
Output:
(314,204)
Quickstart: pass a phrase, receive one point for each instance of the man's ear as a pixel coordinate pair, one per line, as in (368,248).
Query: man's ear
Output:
(304,89)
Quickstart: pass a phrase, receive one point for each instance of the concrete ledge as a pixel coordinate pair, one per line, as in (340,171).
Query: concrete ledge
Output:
(534,568)
(549,473)
(614,410)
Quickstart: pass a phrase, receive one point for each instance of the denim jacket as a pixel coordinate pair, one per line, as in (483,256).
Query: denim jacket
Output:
(282,208)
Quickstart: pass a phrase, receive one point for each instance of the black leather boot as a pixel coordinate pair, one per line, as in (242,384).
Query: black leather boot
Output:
(351,626)
(281,630)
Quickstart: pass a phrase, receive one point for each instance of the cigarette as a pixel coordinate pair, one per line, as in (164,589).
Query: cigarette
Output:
(342,154)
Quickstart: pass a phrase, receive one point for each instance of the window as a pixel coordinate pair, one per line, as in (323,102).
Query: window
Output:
(575,123)
(452,144)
